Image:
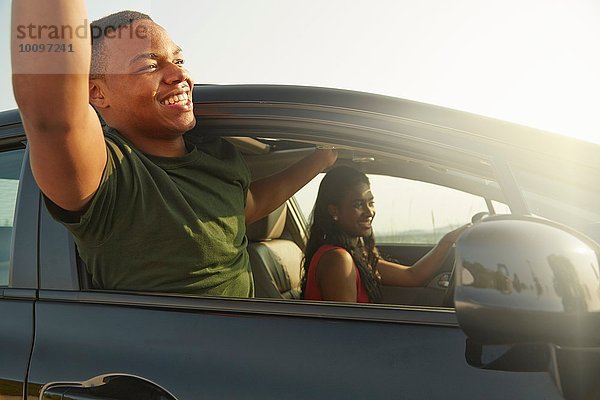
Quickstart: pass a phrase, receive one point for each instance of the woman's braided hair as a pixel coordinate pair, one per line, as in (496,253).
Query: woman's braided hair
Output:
(324,230)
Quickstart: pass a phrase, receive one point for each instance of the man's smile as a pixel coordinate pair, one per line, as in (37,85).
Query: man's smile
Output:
(180,99)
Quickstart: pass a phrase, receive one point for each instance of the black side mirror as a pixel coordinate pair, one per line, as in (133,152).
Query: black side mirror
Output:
(527,280)
(528,298)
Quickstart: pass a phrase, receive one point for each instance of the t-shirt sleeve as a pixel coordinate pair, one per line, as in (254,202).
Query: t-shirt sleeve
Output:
(244,171)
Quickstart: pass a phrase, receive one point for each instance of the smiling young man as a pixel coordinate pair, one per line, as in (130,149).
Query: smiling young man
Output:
(149,210)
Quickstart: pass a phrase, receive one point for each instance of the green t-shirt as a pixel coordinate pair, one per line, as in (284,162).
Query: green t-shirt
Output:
(167,224)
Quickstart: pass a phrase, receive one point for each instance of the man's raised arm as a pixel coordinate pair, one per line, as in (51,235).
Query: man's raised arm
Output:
(51,86)
(266,194)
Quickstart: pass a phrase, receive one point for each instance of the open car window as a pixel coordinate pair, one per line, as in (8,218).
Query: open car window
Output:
(409,211)
(416,203)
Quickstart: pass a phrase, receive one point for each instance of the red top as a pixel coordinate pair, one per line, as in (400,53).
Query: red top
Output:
(312,291)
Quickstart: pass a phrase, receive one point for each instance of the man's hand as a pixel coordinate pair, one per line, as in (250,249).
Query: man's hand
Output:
(325,156)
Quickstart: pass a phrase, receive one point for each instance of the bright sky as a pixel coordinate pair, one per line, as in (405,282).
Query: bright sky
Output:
(534,62)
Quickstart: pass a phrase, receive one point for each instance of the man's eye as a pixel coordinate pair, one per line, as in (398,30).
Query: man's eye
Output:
(148,67)
(180,62)
(357,204)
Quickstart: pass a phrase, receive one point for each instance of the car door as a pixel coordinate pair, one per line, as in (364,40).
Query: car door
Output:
(195,347)
(201,347)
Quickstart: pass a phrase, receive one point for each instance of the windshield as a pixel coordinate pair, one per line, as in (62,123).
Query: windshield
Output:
(568,197)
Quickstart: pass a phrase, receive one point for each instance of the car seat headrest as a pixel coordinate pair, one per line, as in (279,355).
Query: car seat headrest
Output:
(269,227)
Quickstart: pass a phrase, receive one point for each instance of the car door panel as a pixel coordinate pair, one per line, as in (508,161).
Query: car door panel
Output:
(198,353)
(16,339)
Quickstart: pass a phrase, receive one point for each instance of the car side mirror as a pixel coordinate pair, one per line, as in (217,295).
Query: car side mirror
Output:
(527,280)
(527,296)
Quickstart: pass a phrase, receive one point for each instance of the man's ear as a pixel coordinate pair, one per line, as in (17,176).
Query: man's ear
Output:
(97,97)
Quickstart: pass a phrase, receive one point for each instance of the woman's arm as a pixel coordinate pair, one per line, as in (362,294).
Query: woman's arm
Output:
(336,276)
(393,274)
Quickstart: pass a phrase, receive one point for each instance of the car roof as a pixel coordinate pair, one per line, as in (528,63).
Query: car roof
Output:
(9,117)
(459,122)
(453,123)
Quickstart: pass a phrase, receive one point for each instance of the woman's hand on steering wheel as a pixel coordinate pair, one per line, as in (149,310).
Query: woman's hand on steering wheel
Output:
(451,237)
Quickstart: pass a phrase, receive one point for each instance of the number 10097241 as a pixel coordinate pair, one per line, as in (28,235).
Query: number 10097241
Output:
(45,48)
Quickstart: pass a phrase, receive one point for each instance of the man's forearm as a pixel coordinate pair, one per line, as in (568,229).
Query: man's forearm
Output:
(269,193)
(50,83)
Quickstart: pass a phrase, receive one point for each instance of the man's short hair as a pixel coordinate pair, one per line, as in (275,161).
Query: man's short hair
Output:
(107,25)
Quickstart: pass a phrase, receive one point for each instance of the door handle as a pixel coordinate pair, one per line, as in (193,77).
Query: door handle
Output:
(106,387)
(67,393)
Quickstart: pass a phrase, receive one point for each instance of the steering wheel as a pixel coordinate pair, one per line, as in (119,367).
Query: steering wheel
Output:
(448,300)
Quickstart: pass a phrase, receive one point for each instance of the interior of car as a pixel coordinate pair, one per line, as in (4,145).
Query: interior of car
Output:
(276,242)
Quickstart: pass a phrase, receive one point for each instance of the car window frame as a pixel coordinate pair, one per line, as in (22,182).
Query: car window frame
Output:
(58,281)
(23,248)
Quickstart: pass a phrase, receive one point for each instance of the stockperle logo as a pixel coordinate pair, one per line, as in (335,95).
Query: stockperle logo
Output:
(67,32)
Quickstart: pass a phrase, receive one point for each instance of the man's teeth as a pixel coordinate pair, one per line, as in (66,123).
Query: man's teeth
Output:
(180,98)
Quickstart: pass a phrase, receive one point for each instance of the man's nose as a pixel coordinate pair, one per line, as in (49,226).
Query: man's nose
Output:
(175,73)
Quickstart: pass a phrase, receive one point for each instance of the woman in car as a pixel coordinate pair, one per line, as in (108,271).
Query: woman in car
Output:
(341,261)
